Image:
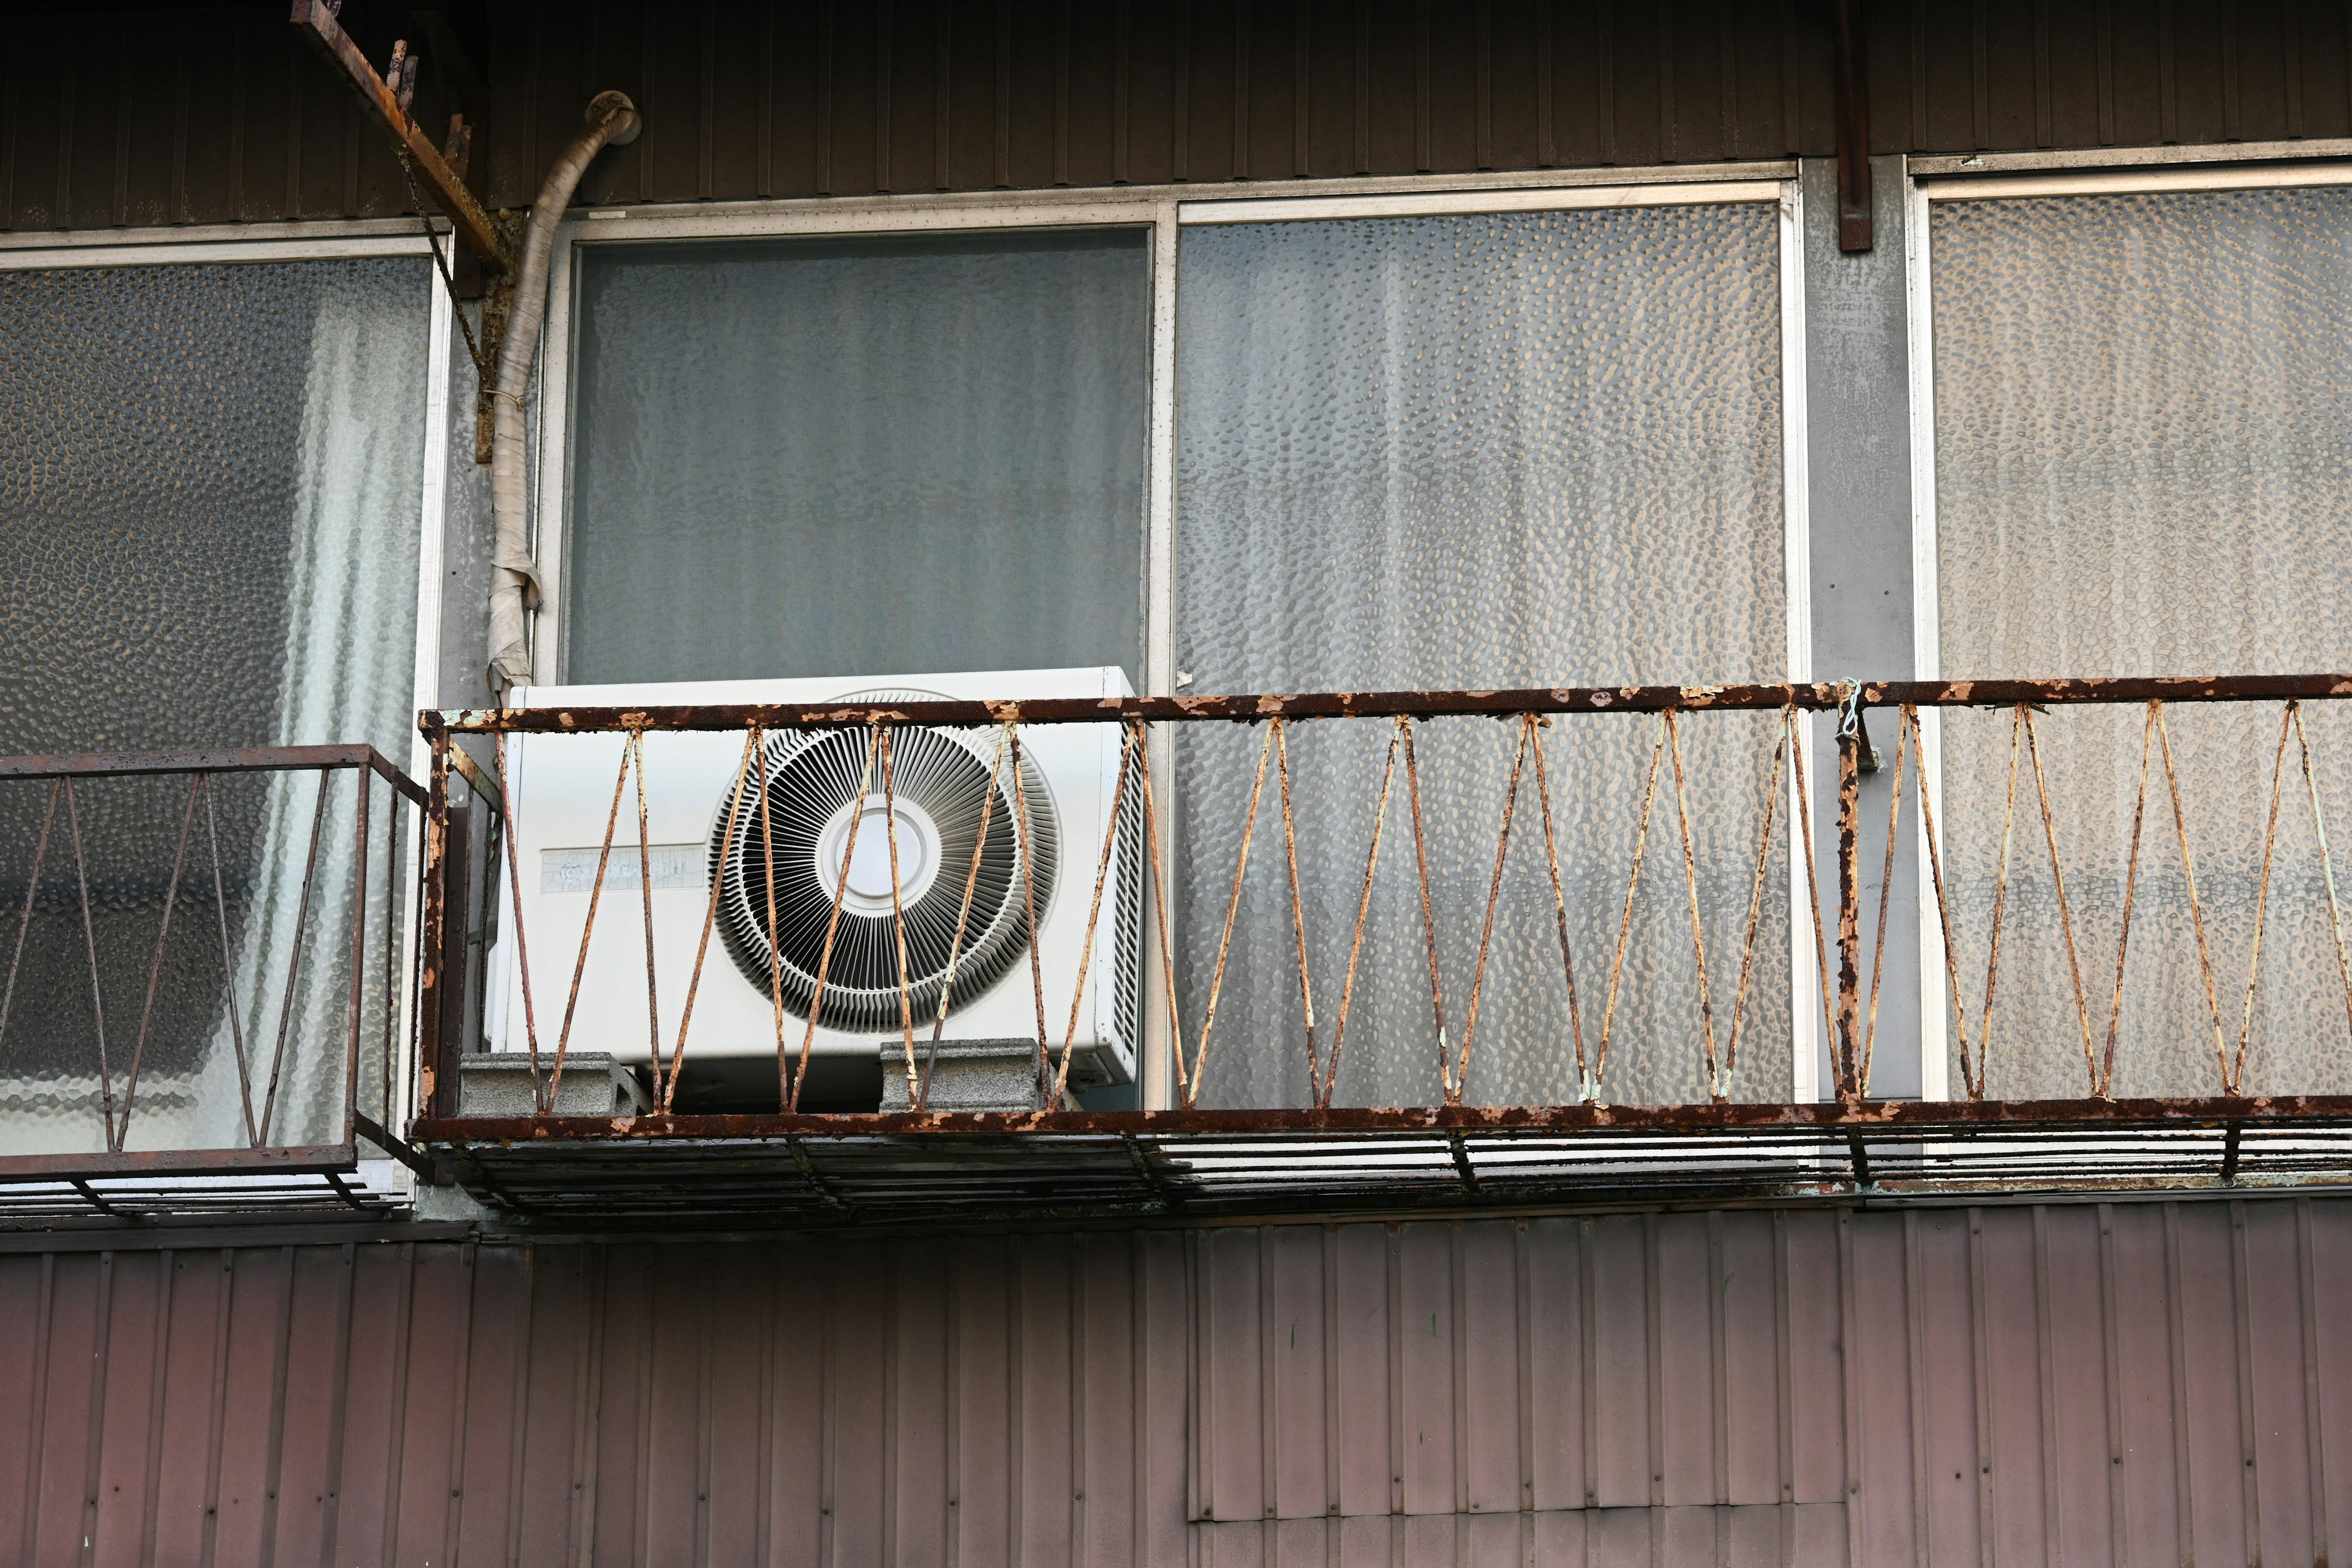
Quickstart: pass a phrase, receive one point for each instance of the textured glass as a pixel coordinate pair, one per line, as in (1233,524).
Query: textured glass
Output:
(209,482)
(847,457)
(2143,408)
(1481,451)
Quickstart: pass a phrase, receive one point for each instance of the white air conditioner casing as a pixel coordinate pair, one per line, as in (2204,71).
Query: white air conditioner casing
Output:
(563,791)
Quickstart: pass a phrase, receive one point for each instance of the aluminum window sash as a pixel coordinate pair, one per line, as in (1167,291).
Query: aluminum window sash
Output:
(1927,655)
(1804,979)
(1419,203)
(2125,182)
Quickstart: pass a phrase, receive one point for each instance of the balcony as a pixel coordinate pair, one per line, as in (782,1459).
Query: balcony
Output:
(1594,926)
(205,1009)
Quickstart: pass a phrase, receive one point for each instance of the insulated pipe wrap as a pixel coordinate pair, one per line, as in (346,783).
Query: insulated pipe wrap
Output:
(514,578)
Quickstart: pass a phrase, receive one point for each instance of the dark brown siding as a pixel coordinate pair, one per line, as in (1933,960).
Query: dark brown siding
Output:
(209,114)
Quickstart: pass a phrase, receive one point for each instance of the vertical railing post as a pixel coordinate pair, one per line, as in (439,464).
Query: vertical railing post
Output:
(1848,1047)
(366,777)
(432,948)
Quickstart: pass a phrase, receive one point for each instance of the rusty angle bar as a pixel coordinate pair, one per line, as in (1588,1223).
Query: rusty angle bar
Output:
(305,1159)
(1818,696)
(1921,1116)
(223,760)
(317,23)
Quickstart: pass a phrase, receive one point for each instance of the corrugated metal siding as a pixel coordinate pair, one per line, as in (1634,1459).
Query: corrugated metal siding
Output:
(215,114)
(2135,1383)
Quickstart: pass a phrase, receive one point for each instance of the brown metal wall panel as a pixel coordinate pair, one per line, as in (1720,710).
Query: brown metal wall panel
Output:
(2282,1437)
(1618,1303)
(1491,1375)
(62,1391)
(1683,1396)
(133,1347)
(2129,1383)
(1877,1369)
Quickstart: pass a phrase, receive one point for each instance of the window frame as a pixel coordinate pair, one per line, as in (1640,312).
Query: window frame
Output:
(1931,182)
(1164,211)
(334,240)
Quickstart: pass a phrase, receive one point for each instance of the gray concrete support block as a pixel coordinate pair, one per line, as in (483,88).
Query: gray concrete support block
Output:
(970,1074)
(498,1083)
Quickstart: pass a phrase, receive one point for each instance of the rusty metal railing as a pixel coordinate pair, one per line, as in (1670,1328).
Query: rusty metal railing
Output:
(272,1039)
(1833,899)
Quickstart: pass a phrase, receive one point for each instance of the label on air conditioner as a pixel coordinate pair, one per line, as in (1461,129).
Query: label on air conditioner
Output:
(675,867)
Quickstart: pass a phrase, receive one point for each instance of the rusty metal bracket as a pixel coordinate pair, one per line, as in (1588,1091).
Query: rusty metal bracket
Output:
(315,20)
(1853,127)
(393,1144)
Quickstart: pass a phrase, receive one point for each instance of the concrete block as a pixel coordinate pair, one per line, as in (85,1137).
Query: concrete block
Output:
(498,1083)
(970,1074)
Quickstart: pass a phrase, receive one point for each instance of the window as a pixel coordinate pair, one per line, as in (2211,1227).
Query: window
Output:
(858,455)
(211,535)
(2140,406)
(1466,449)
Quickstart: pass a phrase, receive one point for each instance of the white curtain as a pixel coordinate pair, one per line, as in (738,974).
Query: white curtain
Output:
(349,674)
(1525,450)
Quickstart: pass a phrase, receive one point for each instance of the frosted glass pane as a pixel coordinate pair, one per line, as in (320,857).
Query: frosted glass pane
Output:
(2142,409)
(1504,450)
(209,489)
(842,457)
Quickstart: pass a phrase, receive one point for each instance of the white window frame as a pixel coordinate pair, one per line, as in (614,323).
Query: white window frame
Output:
(336,240)
(1931,182)
(1164,211)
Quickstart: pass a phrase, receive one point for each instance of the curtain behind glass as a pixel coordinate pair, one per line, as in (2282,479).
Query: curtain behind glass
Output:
(1481,451)
(209,483)
(859,456)
(2143,407)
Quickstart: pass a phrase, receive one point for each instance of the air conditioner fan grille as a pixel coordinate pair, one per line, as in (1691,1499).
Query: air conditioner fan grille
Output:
(812,780)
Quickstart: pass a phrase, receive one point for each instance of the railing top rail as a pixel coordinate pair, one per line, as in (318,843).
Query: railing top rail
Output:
(221,760)
(1819,696)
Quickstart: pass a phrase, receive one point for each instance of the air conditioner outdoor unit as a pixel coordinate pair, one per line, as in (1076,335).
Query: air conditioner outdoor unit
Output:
(563,791)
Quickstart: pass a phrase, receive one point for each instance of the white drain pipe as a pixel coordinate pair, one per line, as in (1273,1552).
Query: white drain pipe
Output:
(514,579)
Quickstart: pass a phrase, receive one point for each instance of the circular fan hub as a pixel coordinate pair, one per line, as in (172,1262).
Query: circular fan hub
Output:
(869,883)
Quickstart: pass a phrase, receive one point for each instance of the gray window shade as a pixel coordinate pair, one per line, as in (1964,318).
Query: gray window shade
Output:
(1493,450)
(856,456)
(2143,407)
(210,479)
